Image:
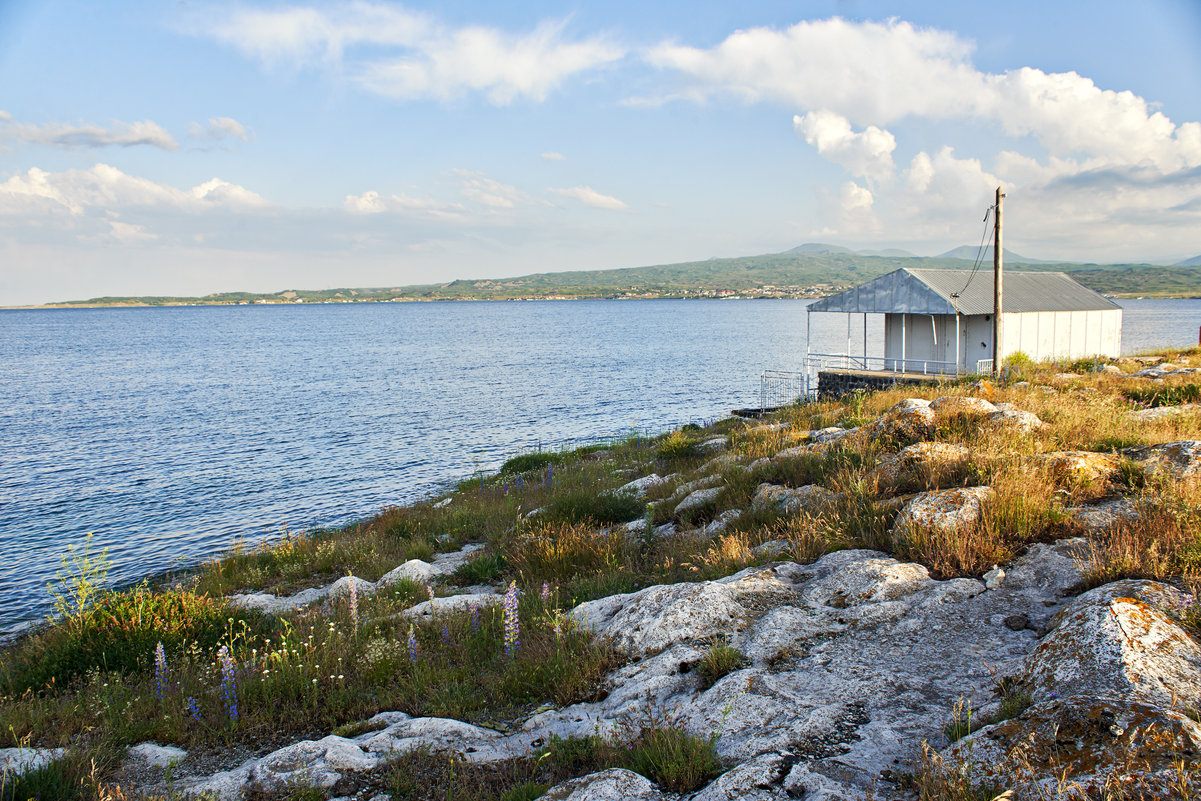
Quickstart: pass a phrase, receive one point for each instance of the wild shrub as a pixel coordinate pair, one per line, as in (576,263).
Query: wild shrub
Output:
(720,660)
(578,506)
(119,633)
(529,462)
(677,446)
(480,569)
(676,760)
(558,552)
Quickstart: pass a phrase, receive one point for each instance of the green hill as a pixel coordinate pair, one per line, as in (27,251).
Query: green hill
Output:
(776,275)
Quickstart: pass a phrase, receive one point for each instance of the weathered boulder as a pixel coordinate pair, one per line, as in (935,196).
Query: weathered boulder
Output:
(1177,459)
(402,734)
(415,570)
(961,404)
(614,784)
(1105,515)
(911,420)
(1075,467)
(452,603)
(697,500)
(757,779)
(155,756)
(273,605)
(19,761)
(1016,419)
(342,587)
(639,486)
(1081,744)
(714,444)
(918,461)
(789,499)
(689,487)
(720,523)
(830,435)
(1116,642)
(944,511)
(310,763)
(1163,412)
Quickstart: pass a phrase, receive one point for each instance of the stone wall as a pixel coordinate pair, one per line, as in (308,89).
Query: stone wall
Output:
(836,383)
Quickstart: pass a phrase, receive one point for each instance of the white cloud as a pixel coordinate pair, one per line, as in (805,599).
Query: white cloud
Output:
(372,202)
(590,197)
(868,153)
(219,128)
(493,194)
(103,187)
(123,134)
(551,155)
(400,54)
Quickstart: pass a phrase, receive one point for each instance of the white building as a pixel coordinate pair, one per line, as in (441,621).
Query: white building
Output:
(940,321)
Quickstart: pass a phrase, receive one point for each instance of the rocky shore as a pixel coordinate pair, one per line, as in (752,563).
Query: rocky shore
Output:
(859,673)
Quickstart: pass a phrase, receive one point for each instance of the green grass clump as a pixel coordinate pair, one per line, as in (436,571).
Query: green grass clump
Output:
(119,633)
(1169,395)
(529,462)
(578,506)
(720,660)
(677,446)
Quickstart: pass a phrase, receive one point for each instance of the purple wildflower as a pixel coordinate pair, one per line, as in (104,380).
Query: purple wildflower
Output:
(550,474)
(512,622)
(475,618)
(517,483)
(445,633)
(160,672)
(229,687)
(412,644)
(193,709)
(545,593)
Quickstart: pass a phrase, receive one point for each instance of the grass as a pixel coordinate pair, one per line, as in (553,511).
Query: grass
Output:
(91,680)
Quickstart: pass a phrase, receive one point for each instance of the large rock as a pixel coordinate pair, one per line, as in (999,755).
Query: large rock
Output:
(415,570)
(1176,459)
(1106,515)
(309,763)
(1117,642)
(1163,412)
(911,420)
(452,603)
(402,734)
(961,404)
(1082,744)
(19,761)
(614,784)
(697,500)
(1016,420)
(917,462)
(639,486)
(944,511)
(789,499)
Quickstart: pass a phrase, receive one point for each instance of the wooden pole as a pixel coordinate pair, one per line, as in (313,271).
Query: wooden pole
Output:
(997,268)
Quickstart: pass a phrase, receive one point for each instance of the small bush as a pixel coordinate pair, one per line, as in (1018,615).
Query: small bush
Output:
(720,660)
(480,569)
(677,761)
(577,506)
(528,462)
(676,447)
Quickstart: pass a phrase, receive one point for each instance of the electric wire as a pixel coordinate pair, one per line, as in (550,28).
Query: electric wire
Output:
(979,252)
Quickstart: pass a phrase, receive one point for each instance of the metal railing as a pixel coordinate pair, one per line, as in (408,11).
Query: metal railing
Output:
(842,361)
(782,387)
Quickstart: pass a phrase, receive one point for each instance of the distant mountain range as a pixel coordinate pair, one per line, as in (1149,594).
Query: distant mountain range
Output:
(806,271)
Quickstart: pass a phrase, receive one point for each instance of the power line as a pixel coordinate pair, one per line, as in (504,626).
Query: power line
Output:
(979,252)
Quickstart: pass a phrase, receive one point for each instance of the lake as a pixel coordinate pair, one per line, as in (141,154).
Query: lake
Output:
(173,433)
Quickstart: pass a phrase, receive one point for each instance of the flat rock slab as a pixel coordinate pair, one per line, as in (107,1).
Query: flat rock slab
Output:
(19,761)
(944,511)
(615,784)
(792,499)
(1177,459)
(961,404)
(1074,467)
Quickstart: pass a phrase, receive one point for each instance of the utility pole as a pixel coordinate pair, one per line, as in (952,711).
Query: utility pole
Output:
(997,267)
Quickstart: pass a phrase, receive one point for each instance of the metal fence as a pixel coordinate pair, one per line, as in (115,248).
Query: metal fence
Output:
(782,387)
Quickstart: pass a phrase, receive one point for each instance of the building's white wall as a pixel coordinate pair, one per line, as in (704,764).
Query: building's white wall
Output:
(931,338)
(1063,335)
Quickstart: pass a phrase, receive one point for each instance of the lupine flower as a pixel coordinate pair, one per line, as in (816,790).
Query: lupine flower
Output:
(545,593)
(229,687)
(354,602)
(193,709)
(550,474)
(160,671)
(475,618)
(512,623)
(517,483)
(558,626)
(412,644)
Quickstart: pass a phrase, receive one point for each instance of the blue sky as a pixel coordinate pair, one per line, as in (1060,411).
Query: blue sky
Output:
(194,147)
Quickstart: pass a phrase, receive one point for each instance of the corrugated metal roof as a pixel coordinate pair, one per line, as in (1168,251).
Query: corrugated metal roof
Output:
(920,291)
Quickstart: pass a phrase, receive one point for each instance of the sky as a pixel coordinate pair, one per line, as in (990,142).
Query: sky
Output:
(183,148)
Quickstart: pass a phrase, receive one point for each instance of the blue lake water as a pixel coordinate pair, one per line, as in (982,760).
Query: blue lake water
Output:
(173,433)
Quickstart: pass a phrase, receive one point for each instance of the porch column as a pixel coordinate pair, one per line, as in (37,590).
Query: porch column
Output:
(956,342)
(904,352)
